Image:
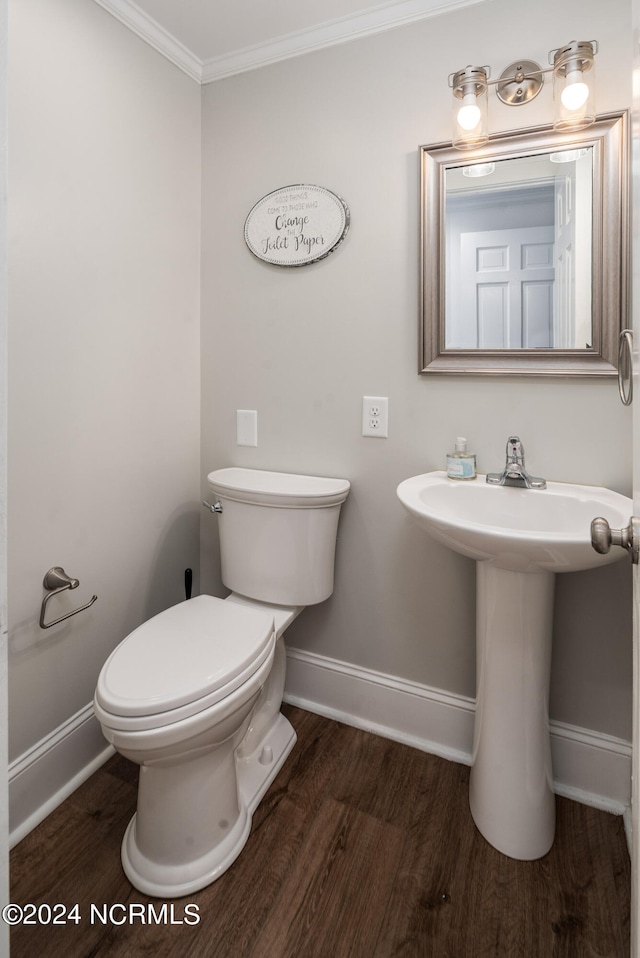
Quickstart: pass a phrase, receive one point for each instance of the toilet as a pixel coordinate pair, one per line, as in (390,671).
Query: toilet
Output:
(193,695)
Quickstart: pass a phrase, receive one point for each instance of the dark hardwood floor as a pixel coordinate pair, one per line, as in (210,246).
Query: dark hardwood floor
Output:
(361,848)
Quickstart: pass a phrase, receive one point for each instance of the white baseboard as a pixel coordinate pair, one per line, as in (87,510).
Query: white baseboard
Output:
(589,767)
(41,778)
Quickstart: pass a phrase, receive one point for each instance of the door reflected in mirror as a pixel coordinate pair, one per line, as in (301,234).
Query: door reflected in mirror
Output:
(518,240)
(524,253)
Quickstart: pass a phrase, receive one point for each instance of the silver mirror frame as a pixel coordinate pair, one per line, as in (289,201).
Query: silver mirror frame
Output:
(610,254)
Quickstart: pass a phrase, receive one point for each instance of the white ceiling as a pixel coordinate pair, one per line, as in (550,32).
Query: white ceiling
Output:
(211,39)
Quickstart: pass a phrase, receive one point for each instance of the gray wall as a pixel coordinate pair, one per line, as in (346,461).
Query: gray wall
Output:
(104,214)
(303,346)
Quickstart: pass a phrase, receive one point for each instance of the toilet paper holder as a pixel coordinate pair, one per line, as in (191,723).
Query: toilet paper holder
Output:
(55,581)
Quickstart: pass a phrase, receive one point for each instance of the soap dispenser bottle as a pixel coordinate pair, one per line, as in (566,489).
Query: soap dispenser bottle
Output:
(460,463)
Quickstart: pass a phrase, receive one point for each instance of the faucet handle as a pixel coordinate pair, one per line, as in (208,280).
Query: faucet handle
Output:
(514,472)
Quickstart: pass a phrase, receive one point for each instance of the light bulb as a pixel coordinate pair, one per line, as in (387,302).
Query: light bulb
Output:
(576,92)
(469,114)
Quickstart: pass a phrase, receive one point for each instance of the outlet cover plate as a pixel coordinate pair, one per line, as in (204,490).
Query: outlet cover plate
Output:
(246,427)
(375,416)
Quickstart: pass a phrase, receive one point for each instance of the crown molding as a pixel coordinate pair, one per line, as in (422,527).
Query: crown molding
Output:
(155,35)
(376,19)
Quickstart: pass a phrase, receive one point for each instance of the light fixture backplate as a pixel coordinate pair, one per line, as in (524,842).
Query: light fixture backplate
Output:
(520,82)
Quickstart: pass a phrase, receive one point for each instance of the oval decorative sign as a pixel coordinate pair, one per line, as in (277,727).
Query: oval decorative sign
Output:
(296,225)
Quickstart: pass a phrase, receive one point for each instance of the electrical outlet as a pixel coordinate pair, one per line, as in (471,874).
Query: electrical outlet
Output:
(375,416)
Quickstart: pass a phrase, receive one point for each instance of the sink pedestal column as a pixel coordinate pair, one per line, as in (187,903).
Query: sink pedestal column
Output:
(511,787)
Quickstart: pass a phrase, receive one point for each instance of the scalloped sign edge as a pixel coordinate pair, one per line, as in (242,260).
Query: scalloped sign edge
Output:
(296,225)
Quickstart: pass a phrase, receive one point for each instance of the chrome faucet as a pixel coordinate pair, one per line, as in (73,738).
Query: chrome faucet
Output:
(515,473)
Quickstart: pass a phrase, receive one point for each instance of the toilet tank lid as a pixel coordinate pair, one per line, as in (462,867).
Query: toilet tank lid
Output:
(278,488)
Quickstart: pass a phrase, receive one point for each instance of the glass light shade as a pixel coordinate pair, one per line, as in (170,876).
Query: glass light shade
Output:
(574,86)
(567,156)
(479,169)
(470,126)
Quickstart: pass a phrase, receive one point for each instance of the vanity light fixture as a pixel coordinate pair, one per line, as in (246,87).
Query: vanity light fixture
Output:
(573,82)
(470,86)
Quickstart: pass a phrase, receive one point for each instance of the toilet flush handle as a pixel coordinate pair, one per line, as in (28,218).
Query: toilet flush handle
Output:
(216,507)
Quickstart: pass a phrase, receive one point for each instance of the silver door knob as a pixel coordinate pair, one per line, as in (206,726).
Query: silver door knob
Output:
(603,537)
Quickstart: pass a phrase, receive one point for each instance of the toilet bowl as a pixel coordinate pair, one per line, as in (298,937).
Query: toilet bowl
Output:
(175,697)
(193,695)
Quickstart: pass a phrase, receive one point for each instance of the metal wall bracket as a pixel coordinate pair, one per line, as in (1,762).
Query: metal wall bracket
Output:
(55,581)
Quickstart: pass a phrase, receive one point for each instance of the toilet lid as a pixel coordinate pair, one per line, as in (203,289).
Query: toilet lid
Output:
(191,651)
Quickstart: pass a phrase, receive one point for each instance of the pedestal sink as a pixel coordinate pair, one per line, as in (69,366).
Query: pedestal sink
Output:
(520,539)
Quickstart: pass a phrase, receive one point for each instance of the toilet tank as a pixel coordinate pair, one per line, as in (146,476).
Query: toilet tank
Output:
(278,533)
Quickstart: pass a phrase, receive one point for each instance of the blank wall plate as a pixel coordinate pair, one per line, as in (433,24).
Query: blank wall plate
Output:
(375,416)
(246,427)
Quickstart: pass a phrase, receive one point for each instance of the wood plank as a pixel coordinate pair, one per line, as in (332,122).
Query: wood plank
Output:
(333,900)
(362,847)
(60,861)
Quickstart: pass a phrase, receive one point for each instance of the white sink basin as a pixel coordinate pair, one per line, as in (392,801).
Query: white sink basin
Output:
(519,529)
(519,538)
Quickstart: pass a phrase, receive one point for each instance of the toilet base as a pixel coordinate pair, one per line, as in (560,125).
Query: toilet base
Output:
(257,772)
(254,773)
(174,881)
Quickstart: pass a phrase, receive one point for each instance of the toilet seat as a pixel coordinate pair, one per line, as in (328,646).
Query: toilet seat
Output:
(181,662)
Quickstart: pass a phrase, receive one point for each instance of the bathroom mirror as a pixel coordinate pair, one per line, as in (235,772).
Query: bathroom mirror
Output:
(524,253)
